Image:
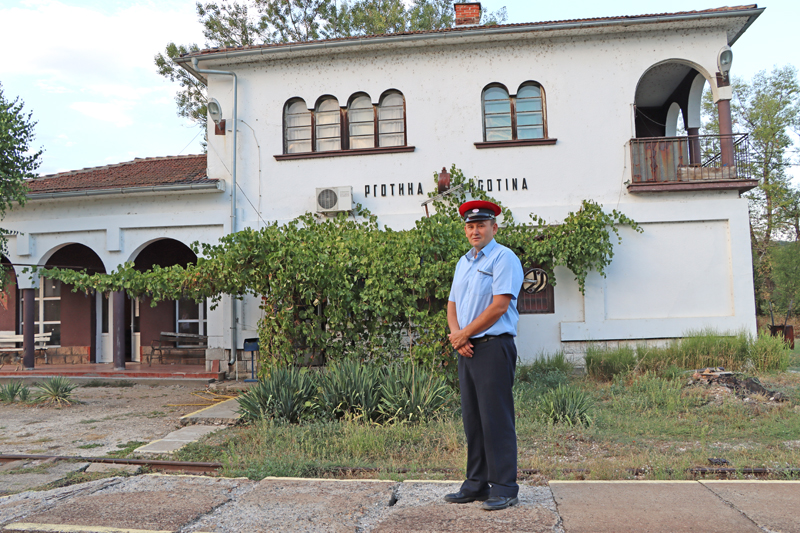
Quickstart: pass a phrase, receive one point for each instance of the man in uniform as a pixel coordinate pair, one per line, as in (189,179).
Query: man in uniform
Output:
(482,315)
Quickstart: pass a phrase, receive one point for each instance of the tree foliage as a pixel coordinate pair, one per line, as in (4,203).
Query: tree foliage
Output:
(768,108)
(18,160)
(230,23)
(343,285)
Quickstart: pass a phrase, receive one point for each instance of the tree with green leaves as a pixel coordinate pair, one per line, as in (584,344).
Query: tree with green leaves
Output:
(230,23)
(18,160)
(768,108)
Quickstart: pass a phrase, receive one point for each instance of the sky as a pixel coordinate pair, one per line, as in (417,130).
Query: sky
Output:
(85,68)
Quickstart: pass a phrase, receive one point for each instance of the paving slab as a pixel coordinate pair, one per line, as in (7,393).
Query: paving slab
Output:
(221,413)
(420,508)
(151,503)
(299,505)
(17,507)
(104,468)
(176,440)
(773,505)
(646,507)
(19,480)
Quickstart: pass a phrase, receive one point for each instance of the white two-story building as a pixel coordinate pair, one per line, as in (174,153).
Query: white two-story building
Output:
(543,115)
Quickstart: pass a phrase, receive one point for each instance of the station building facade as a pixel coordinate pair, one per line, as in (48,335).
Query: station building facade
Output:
(542,115)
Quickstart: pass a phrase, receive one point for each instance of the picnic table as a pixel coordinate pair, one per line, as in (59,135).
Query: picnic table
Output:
(181,344)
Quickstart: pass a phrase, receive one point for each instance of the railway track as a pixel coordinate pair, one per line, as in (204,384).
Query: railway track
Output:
(158,466)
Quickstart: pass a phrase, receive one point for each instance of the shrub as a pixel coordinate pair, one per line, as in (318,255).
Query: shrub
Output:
(14,390)
(351,388)
(543,365)
(413,394)
(56,391)
(605,364)
(285,393)
(566,405)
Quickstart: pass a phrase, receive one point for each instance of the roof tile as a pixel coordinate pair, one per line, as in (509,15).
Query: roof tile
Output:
(147,172)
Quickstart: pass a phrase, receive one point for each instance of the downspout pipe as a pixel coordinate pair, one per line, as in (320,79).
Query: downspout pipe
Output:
(232,360)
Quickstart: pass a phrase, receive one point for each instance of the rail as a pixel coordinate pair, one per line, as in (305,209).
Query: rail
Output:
(689,159)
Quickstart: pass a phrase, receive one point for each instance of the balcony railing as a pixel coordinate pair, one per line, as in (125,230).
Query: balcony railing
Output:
(693,162)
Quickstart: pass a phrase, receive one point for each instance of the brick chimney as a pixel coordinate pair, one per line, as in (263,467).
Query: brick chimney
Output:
(468,13)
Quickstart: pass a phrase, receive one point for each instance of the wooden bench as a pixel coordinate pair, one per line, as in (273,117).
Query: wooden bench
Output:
(182,344)
(40,341)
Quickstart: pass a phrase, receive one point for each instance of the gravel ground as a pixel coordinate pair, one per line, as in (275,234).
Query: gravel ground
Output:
(105,418)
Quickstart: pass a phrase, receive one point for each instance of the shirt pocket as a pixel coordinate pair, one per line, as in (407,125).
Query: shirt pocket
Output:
(482,283)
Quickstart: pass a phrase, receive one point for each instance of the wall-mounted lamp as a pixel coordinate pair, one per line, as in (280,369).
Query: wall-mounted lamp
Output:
(215,112)
(444,180)
(724,60)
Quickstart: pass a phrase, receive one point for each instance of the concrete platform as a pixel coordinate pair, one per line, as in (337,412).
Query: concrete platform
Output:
(774,506)
(221,413)
(176,440)
(647,507)
(195,504)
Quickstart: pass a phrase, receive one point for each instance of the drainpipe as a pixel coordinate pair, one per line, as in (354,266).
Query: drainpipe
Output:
(232,360)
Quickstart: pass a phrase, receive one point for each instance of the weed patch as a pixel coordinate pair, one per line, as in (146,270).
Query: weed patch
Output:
(108,383)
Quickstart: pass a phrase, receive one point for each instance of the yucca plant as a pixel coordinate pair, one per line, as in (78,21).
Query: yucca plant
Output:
(566,405)
(10,391)
(351,388)
(56,391)
(412,394)
(285,393)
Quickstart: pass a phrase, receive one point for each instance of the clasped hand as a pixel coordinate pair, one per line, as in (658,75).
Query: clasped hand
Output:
(460,342)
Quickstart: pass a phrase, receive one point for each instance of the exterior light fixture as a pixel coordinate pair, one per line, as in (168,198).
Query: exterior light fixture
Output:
(215,112)
(444,180)
(724,60)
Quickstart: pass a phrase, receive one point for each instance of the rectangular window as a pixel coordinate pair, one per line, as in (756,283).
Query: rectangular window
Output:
(46,311)
(190,317)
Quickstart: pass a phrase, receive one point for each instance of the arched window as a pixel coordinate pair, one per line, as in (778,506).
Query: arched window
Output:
(519,117)
(530,112)
(392,120)
(297,127)
(328,121)
(496,114)
(361,122)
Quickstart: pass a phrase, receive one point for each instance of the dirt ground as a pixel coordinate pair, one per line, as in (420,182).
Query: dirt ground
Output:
(105,419)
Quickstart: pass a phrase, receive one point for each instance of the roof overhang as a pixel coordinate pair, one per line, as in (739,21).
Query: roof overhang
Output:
(734,21)
(212,186)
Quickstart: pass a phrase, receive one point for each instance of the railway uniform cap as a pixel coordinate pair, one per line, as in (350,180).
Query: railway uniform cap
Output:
(476,210)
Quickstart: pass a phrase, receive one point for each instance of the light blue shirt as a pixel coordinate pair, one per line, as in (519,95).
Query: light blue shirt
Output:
(495,270)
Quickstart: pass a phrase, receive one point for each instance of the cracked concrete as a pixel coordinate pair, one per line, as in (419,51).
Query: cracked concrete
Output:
(196,504)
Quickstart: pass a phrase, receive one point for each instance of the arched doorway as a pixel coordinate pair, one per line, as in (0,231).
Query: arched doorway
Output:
(70,317)
(182,316)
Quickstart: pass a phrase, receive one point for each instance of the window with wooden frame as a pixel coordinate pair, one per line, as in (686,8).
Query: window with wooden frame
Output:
(360,128)
(540,303)
(511,120)
(327,125)
(296,127)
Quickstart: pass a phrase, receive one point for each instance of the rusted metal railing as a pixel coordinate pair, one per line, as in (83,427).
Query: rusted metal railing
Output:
(689,159)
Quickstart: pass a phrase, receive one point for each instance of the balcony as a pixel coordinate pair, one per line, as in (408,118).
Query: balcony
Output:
(691,163)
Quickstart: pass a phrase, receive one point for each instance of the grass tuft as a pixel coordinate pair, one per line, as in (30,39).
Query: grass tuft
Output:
(566,405)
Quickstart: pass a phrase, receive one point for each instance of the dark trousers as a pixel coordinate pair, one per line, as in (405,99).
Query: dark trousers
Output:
(487,407)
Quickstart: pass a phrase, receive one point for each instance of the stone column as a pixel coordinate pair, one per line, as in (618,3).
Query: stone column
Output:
(118,328)
(28,346)
(725,132)
(695,156)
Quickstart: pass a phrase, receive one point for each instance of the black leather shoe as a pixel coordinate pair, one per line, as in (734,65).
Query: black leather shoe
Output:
(495,503)
(463,497)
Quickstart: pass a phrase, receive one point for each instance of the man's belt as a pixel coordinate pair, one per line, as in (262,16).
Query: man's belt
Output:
(487,338)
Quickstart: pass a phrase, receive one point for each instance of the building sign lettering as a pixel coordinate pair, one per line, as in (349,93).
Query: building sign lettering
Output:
(407,189)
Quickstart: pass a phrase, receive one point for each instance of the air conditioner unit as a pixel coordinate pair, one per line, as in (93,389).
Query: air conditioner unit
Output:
(334,199)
